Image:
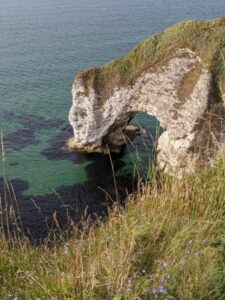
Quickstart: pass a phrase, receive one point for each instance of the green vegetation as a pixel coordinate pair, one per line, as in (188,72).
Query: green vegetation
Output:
(168,243)
(206,38)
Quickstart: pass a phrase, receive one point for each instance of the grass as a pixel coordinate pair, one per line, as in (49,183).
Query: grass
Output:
(205,38)
(168,243)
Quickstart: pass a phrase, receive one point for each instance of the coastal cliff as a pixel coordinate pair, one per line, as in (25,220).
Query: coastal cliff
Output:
(178,76)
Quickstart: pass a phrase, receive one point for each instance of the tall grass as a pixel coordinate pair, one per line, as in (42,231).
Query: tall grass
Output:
(168,243)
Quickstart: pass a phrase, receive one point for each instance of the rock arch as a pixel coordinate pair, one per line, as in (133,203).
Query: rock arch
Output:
(179,92)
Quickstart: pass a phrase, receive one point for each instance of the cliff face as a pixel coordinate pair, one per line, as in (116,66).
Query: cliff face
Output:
(178,76)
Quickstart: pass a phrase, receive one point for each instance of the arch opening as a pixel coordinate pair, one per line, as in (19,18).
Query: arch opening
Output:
(138,139)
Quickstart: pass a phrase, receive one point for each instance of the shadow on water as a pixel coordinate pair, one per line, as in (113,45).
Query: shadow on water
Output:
(93,198)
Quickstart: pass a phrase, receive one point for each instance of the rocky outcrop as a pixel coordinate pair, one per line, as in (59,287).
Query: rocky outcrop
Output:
(178,76)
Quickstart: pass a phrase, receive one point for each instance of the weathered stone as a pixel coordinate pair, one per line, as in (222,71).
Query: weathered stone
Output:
(179,91)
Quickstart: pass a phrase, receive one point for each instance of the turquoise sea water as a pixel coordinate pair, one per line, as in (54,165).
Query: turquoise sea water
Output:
(43,45)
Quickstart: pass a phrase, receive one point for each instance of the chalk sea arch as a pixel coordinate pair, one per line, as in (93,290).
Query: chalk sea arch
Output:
(167,77)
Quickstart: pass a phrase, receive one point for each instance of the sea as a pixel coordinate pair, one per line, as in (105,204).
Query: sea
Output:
(44,44)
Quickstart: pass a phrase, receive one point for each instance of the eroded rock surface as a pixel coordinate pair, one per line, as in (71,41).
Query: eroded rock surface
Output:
(181,90)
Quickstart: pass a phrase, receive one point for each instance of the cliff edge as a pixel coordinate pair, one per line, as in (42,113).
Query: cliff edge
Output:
(178,76)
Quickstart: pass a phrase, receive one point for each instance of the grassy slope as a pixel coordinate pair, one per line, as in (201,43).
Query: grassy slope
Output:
(206,38)
(172,229)
(175,229)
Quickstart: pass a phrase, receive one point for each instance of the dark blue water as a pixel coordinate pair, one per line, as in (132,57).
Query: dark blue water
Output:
(43,45)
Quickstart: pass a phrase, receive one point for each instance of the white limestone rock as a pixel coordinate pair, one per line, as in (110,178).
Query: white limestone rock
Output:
(157,90)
